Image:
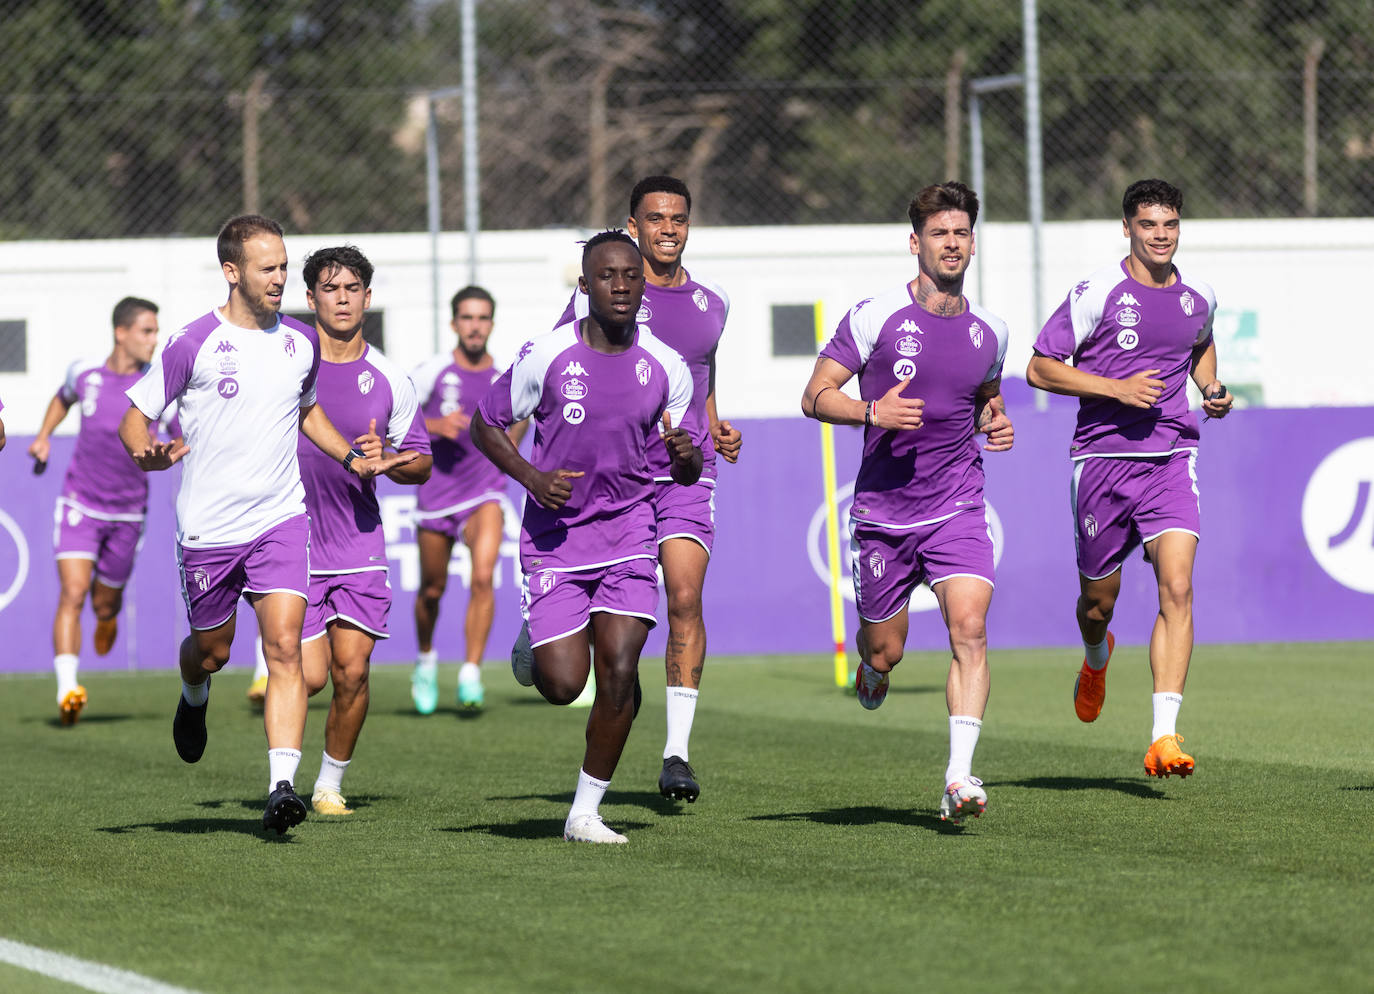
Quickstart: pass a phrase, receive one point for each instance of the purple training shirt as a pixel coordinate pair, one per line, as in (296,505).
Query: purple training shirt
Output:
(461,474)
(101,477)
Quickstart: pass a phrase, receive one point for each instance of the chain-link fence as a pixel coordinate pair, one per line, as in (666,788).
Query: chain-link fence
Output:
(154,117)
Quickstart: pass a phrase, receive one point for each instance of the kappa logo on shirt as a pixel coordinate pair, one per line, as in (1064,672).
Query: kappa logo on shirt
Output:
(225,346)
(910,327)
(174,337)
(366,381)
(642,372)
(525,350)
(699,298)
(1186,302)
(860,305)
(574,389)
(288,344)
(1081,289)
(450,378)
(975,335)
(1127,300)
(574,368)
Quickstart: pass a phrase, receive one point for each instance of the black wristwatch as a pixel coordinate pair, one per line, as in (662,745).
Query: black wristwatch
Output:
(353,454)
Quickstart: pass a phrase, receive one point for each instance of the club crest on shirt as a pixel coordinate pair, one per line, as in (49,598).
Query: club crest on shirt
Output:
(1128,317)
(699,298)
(546,580)
(975,335)
(73,515)
(574,389)
(574,413)
(1186,302)
(1090,526)
(645,314)
(201,578)
(366,381)
(288,344)
(908,346)
(642,372)
(877,565)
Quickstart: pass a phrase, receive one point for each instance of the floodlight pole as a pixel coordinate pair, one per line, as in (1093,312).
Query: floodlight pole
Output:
(976,88)
(1035,167)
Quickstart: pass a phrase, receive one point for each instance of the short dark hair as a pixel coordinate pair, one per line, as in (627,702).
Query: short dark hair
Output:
(1150,191)
(128,310)
(602,237)
(325,262)
(238,230)
(939,197)
(659,184)
(472,293)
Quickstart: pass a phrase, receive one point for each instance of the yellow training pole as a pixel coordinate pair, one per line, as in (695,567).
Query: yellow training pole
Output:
(832,529)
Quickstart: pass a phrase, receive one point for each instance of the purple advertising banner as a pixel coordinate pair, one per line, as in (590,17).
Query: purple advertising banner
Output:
(1287,550)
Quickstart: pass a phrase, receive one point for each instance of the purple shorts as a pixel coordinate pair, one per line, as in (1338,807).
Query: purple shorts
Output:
(450,522)
(276,561)
(686,512)
(1121,503)
(362,599)
(889,564)
(558,604)
(111,545)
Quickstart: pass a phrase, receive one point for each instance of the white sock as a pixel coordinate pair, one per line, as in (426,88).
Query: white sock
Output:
(426,661)
(196,695)
(470,671)
(282,765)
(1097,655)
(331,773)
(590,791)
(260,668)
(1166,714)
(65,665)
(682,708)
(963,739)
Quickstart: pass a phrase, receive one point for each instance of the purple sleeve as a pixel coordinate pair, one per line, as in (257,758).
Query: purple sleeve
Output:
(568,312)
(168,376)
(842,347)
(1057,339)
(496,409)
(308,386)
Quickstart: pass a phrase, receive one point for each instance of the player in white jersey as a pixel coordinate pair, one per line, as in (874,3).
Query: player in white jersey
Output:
(244,378)
(98,521)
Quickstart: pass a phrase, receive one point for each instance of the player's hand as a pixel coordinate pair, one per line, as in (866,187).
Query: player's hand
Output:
(553,488)
(899,413)
(452,424)
(997,426)
(366,469)
(679,443)
(40,450)
(161,455)
(1216,400)
(370,443)
(1140,390)
(726,440)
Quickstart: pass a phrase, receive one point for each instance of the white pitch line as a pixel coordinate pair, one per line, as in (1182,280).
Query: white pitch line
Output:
(83,973)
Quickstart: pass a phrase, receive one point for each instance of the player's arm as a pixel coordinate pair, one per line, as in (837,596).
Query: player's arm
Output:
(516,432)
(412,473)
(684,457)
(551,489)
(990,416)
(823,400)
(2,436)
(317,427)
(1141,389)
(1216,399)
(52,417)
(145,450)
(724,436)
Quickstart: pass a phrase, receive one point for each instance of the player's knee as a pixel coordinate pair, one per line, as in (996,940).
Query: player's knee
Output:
(968,629)
(480,585)
(349,676)
(884,653)
(684,606)
(282,650)
(1176,594)
(557,688)
(433,589)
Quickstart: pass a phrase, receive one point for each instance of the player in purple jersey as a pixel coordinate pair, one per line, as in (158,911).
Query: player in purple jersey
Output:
(98,521)
(370,399)
(2,428)
(461,500)
(1126,340)
(929,364)
(597,389)
(245,380)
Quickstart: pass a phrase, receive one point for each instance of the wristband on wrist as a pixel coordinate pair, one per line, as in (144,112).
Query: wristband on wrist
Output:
(871,414)
(354,453)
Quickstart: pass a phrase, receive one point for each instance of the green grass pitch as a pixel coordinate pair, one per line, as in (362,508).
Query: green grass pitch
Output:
(814,860)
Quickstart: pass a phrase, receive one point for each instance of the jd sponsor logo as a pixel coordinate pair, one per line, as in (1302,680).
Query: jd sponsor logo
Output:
(1127,339)
(228,387)
(922,599)
(1338,515)
(574,413)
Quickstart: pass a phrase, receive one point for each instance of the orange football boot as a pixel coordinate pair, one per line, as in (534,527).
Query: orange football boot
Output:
(1090,689)
(1165,757)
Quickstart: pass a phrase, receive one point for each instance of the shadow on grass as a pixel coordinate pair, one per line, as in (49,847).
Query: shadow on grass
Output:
(355,801)
(651,800)
(536,828)
(202,826)
(90,719)
(867,814)
(1121,785)
(1366,786)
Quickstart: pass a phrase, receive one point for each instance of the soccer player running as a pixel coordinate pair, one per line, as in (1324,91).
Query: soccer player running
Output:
(598,388)
(368,398)
(929,364)
(244,377)
(98,520)
(688,314)
(1125,341)
(460,500)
